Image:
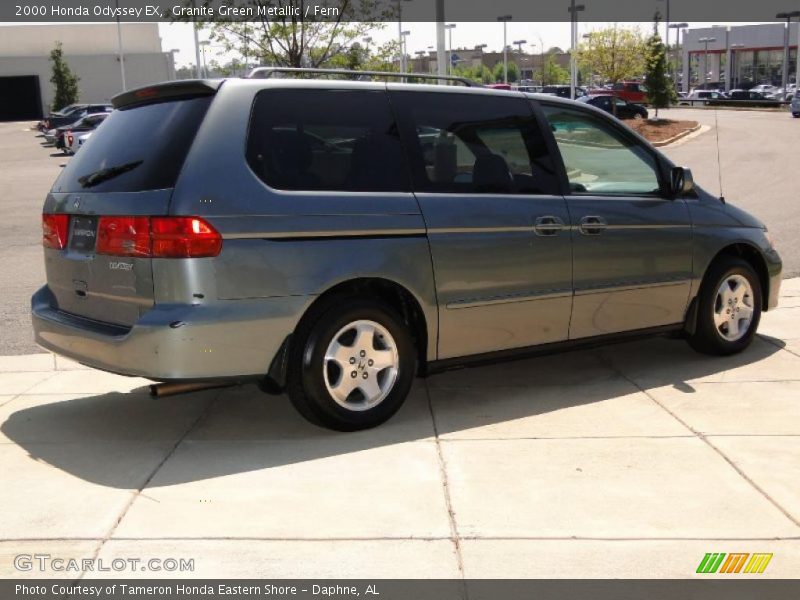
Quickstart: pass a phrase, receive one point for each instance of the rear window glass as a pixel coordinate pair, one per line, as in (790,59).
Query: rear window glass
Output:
(338,140)
(136,149)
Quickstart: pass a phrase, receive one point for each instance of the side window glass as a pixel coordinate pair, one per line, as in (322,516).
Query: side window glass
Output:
(317,139)
(598,158)
(476,144)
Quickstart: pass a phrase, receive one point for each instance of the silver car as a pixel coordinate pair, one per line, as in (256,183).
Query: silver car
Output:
(334,239)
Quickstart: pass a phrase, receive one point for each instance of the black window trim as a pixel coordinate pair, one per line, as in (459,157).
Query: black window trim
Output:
(413,154)
(597,113)
(333,193)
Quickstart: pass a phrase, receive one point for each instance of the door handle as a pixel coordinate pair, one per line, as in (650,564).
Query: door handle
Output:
(593,225)
(548,225)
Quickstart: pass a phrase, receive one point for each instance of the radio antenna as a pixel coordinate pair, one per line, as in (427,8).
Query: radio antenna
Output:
(719,161)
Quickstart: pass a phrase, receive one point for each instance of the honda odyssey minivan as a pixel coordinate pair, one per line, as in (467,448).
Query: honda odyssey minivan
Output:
(333,239)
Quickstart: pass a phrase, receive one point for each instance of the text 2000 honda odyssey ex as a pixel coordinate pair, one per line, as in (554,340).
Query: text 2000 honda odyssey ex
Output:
(334,238)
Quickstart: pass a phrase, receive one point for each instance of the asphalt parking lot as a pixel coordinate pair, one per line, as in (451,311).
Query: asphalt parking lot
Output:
(633,460)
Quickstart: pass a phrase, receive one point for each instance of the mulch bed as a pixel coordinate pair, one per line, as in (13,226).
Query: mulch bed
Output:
(663,129)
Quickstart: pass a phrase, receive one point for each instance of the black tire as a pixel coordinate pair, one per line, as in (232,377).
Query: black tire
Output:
(306,383)
(707,338)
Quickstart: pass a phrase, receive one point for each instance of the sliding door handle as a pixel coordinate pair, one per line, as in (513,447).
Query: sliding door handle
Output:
(593,225)
(548,225)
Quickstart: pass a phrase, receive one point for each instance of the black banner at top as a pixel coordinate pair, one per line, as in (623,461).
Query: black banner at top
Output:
(391,10)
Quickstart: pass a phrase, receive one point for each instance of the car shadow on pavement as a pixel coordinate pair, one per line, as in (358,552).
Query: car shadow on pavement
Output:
(105,438)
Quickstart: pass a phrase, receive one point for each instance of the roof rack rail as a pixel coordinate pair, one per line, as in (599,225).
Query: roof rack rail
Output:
(267,72)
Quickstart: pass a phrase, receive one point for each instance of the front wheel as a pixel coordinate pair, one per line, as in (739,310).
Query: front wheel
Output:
(352,365)
(729,308)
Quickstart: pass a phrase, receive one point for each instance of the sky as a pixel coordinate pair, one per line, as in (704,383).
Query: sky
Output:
(179,36)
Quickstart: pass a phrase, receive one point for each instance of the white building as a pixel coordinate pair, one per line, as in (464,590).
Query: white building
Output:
(738,56)
(90,50)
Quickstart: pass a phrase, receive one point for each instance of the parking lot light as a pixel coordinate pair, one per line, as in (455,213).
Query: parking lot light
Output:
(785,73)
(706,41)
(504,19)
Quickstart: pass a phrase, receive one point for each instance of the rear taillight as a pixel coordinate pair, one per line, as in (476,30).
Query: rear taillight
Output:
(55,229)
(70,139)
(157,237)
(184,237)
(123,236)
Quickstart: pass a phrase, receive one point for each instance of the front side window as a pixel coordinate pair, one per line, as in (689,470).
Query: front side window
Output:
(599,159)
(318,140)
(474,144)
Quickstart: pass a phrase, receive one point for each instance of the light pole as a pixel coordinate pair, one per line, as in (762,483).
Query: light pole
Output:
(400,33)
(204,43)
(706,41)
(403,35)
(449,27)
(172,54)
(505,19)
(195,31)
(785,75)
(574,9)
(518,44)
(679,27)
(734,61)
(119,48)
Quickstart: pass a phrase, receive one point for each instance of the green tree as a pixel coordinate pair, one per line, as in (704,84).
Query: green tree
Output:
(300,41)
(64,80)
(660,92)
(513,72)
(552,72)
(614,53)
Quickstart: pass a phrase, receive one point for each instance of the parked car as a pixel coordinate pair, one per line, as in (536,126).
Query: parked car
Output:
(748,98)
(55,121)
(562,91)
(622,109)
(44,125)
(764,89)
(696,95)
(795,106)
(74,141)
(632,91)
(339,271)
(87,123)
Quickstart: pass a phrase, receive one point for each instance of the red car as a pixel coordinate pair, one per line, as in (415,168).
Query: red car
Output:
(632,91)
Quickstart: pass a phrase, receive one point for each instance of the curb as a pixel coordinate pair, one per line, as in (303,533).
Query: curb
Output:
(675,138)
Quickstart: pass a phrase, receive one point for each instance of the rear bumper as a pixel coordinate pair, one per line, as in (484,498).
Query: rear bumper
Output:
(227,339)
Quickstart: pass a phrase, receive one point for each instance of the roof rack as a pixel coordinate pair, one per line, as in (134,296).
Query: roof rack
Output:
(267,72)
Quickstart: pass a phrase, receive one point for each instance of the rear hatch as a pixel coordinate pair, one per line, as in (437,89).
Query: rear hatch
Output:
(97,218)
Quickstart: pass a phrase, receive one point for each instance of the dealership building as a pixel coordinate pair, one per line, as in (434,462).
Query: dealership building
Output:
(737,56)
(92,53)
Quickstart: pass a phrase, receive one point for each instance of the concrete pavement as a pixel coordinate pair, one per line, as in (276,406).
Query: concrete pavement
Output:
(632,460)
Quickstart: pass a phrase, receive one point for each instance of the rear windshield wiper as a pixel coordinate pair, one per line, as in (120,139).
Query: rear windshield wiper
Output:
(102,175)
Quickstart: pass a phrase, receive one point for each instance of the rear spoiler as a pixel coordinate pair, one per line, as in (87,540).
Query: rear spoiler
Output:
(170,90)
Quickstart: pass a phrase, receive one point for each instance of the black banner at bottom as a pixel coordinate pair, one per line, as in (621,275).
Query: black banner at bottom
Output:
(405,589)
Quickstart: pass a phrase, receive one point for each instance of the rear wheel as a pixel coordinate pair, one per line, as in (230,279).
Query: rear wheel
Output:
(729,308)
(352,365)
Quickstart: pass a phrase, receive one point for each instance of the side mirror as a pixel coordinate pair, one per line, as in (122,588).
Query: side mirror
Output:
(682,181)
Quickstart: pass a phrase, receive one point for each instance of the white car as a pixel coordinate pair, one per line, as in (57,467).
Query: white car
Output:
(75,141)
(50,136)
(765,89)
